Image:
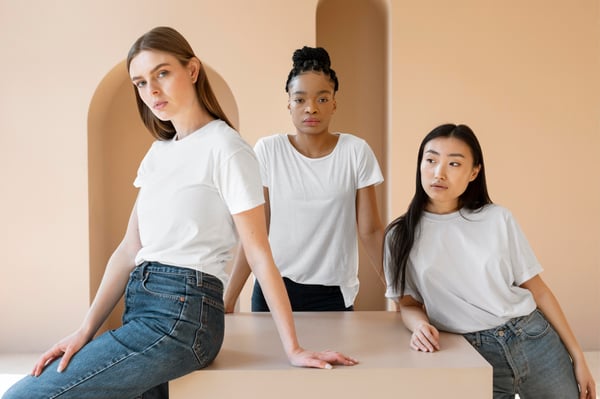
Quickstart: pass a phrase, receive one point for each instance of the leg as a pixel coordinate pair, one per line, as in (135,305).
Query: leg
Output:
(158,392)
(549,368)
(494,352)
(173,325)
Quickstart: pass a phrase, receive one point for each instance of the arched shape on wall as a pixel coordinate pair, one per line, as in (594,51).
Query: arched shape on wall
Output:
(355,33)
(117,142)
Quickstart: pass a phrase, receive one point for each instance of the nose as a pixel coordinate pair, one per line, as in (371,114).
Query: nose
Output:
(311,107)
(440,171)
(153,88)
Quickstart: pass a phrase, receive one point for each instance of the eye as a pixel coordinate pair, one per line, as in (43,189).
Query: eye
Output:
(323,100)
(429,160)
(455,164)
(140,84)
(298,100)
(162,74)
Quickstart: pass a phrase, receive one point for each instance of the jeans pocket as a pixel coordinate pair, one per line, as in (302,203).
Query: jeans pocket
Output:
(534,326)
(210,334)
(165,286)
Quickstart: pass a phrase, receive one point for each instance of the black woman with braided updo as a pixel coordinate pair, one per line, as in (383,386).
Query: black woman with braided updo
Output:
(320,196)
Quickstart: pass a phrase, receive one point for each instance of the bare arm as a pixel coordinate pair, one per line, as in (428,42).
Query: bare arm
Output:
(241,268)
(252,229)
(370,228)
(548,304)
(110,291)
(425,337)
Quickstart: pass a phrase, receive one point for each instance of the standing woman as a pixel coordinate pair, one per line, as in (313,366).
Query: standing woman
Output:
(319,188)
(198,183)
(458,263)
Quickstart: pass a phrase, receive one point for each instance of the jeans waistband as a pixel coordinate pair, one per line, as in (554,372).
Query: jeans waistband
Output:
(511,326)
(199,278)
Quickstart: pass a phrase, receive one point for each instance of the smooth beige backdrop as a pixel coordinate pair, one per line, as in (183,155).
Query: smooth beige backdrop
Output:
(524,75)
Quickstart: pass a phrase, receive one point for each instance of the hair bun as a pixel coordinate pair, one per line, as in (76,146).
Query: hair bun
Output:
(316,56)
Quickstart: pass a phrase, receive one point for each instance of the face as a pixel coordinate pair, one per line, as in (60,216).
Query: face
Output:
(164,85)
(311,102)
(446,171)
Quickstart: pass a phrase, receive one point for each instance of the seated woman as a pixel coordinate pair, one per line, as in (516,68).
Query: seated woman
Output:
(458,263)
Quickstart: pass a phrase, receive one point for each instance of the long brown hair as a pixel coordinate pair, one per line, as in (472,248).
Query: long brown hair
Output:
(168,40)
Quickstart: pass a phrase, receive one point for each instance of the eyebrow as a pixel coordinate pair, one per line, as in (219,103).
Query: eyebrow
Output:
(318,93)
(152,71)
(450,155)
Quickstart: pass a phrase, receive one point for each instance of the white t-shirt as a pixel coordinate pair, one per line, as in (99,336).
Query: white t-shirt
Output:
(189,189)
(313,209)
(466,267)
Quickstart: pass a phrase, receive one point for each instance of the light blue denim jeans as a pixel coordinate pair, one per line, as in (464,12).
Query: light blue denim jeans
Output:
(173,324)
(528,358)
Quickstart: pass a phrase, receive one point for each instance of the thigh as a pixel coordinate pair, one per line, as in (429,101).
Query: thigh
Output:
(314,297)
(550,370)
(169,332)
(494,353)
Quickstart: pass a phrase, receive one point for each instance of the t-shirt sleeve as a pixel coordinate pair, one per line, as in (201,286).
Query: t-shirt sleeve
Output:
(525,263)
(239,183)
(261,150)
(142,171)
(369,172)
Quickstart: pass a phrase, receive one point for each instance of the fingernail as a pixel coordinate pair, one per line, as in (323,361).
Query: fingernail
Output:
(328,366)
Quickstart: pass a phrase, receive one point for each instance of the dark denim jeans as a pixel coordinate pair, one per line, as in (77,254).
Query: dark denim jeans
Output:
(173,324)
(304,298)
(528,358)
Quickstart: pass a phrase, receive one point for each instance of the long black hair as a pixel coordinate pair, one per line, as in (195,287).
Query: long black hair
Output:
(308,59)
(400,234)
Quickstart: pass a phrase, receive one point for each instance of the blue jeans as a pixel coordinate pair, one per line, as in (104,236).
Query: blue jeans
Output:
(304,297)
(528,358)
(173,324)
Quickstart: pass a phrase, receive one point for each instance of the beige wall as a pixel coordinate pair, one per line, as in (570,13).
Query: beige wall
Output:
(524,76)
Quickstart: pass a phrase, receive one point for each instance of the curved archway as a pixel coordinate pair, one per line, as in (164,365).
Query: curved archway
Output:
(117,142)
(355,33)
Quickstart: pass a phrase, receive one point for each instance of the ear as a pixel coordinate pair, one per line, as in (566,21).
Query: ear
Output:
(334,105)
(193,67)
(475,172)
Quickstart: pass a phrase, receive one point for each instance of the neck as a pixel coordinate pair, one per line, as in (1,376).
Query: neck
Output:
(314,146)
(191,123)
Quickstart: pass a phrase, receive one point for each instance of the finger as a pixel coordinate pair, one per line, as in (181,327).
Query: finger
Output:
(336,358)
(424,343)
(44,360)
(65,359)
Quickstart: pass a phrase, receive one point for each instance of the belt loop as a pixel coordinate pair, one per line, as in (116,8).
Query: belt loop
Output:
(512,324)
(199,278)
(478,338)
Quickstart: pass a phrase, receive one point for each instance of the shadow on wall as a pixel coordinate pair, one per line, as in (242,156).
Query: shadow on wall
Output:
(117,142)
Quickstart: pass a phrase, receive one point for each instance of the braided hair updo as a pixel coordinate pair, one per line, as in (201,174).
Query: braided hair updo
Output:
(309,59)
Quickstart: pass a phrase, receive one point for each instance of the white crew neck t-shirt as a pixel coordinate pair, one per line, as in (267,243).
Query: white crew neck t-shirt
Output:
(189,189)
(466,267)
(313,209)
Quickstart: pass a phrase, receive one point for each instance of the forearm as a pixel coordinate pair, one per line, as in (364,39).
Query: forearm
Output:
(239,276)
(548,304)
(110,291)
(373,244)
(413,316)
(277,299)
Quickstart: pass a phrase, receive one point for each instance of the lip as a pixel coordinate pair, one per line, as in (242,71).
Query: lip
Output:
(311,121)
(437,186)
(159,105)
